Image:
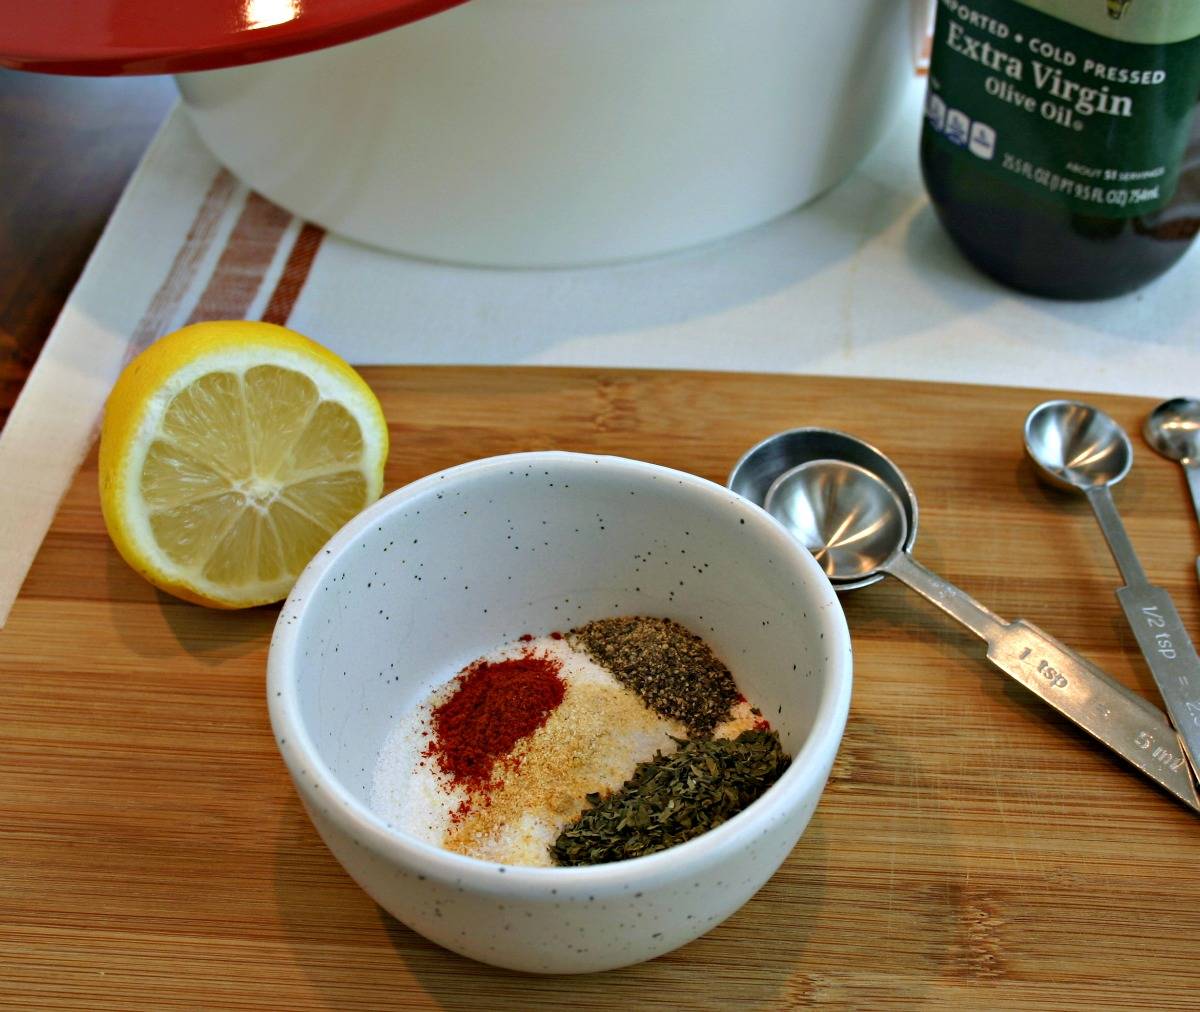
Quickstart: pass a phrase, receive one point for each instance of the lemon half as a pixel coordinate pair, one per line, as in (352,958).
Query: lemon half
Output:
(230,452)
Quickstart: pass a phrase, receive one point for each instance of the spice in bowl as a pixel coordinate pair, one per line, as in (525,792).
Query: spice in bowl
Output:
(673,670)
(673,798)
(621,738)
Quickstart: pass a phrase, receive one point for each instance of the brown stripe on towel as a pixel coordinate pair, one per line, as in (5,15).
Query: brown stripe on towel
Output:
(243,262)
(203,229)
(295,273)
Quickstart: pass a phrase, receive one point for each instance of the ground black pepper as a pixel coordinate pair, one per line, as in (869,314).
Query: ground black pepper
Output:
(672,669)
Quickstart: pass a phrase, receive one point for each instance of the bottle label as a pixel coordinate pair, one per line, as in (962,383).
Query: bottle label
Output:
(1087,102)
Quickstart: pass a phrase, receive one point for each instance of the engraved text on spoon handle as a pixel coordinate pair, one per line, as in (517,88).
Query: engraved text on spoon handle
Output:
(1086,695)
(1133,728)
(1172,659)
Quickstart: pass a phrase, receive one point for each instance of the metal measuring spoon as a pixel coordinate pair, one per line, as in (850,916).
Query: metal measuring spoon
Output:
(1173,429)
(855,524)
(1079,447)
(763,464)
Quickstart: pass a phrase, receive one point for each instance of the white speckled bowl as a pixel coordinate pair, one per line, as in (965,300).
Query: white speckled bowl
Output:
(444,570)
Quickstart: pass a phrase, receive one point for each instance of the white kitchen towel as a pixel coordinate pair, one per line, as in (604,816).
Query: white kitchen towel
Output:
(862,283)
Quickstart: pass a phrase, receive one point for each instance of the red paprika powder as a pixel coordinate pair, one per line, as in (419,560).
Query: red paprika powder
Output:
(496,704)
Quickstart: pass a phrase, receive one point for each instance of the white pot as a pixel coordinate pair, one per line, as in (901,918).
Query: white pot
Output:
(525,133)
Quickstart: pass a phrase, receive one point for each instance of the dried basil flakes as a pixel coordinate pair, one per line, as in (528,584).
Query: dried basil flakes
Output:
(673,798)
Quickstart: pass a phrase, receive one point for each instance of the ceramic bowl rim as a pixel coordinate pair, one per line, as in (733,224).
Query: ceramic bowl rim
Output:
(478,875)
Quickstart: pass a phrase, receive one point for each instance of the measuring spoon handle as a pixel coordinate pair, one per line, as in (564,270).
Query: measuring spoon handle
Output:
(1157,627)
(1191,468)
(1169,652)
(1087,696)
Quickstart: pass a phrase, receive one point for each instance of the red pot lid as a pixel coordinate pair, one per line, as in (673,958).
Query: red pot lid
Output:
(172,36)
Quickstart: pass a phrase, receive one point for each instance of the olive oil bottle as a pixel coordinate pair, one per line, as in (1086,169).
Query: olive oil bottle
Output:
(1061,145)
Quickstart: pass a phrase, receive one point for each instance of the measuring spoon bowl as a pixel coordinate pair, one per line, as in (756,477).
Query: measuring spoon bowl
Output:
(845,515)
(1173,429)
(764,464)
(1077,446)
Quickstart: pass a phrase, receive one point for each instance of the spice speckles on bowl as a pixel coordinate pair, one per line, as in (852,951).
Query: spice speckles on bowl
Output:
(441,572)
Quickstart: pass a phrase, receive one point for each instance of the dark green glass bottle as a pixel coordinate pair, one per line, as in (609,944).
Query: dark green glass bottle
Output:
(1061,146)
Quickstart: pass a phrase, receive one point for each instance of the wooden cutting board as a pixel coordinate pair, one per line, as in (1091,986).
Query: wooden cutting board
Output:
(972,849)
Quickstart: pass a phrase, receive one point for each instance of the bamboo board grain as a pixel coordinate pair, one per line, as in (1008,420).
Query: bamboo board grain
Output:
(971,850)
